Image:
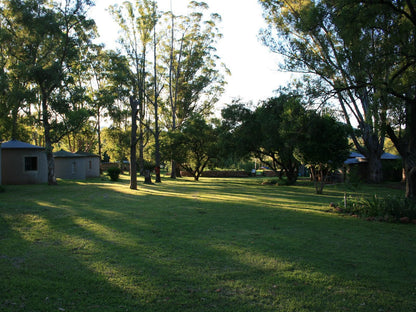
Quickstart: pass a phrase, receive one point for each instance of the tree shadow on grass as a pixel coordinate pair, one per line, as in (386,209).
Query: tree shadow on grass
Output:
(181,252)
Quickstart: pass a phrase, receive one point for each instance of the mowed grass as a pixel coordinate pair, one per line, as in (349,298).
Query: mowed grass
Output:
(213,245)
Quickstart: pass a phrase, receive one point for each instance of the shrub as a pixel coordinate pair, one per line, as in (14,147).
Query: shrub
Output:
(2,189)
(270,181)
(275,181)
(114,173)
(354,180)
(387,208)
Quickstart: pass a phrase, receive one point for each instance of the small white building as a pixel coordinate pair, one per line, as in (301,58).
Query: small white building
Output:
(69,166)
(92,164)
(76,166)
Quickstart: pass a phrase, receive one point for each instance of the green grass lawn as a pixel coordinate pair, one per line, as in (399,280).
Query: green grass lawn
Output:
(213,245)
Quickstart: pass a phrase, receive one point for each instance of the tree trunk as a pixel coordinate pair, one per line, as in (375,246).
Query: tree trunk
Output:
(51,165)
(133,144)
(406,145)
(410,181)
(173,170)
(147,177)
(375,169)
(291,175)
(48,141)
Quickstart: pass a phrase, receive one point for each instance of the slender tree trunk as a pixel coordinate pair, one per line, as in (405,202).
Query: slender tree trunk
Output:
(156,106)
(48,141)
(99,134)
(171,97)
(133,144)
(141,150)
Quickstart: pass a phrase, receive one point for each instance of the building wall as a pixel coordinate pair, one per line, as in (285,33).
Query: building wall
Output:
(72,168)
(13,169)
(92,165)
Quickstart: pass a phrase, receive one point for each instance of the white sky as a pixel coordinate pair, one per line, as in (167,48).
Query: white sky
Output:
(254,74)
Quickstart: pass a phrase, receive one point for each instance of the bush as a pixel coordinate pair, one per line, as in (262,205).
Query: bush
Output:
(2,189)
(387,208)
(114,173)
(148,165)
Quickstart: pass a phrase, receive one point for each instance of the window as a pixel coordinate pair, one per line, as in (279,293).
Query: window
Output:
(90,165)
(31,163)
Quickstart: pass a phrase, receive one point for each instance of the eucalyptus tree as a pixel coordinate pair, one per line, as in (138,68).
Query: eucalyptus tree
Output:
(311,36)
(45,42)
(137,23)
(195,75)
(108,84)
(394,61)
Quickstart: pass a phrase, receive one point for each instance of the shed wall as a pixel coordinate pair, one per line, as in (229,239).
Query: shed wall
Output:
(70,168)
(13,166)
(92,165)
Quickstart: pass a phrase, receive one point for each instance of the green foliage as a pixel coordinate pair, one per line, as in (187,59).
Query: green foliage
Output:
(114,173)
(193,147)
(386,208)
(354,180)
(148,165)
(324,147)
(270,133)
(116,143)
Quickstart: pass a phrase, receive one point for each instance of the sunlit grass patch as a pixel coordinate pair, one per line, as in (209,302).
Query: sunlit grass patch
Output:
(214,245)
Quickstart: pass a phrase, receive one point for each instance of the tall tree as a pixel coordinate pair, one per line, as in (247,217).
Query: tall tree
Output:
(108,83)
(46,41)
(313,42)
(137,23)
(394,60)
(195,78)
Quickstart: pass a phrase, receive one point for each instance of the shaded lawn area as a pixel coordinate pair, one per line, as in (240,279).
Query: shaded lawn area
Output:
(214,245)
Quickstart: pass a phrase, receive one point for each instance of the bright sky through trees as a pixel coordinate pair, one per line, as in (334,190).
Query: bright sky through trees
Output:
(253,67)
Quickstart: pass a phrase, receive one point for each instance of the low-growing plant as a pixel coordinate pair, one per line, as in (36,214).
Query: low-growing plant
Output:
(270,181)
(114,173)
(389,207)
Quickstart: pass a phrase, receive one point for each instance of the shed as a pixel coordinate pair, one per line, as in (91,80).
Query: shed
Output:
(92,164)
(69,165)
(22,163)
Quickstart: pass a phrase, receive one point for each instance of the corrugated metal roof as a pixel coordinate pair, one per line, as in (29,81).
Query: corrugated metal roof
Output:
(356,158)
(389,156)
(12,144)
(81,153)
(65,154)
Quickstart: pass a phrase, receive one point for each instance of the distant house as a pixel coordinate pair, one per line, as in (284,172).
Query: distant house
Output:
(22,163)
(69,165)
(391,165)
(92,164)
(76,166)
